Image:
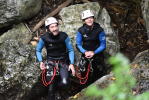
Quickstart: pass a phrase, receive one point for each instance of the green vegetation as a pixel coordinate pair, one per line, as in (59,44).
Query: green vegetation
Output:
(121,88)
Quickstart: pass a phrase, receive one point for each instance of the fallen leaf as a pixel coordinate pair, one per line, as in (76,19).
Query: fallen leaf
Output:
(135,66)
(76,96)
(113,78)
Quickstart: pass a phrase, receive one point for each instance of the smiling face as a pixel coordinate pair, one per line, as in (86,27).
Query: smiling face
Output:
(54,29)
(89,21)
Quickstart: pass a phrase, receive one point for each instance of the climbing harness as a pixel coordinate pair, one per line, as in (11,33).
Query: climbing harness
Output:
(83,80)
(51,72)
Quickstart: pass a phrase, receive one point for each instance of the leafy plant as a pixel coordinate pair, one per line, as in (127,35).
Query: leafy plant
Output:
(121,88)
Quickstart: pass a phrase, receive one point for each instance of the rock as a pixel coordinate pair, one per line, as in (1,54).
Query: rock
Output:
(145,13)
(101,83)
(113,45)
(18,73)
(18,33)
(71,22)
(141,70)
(14,11)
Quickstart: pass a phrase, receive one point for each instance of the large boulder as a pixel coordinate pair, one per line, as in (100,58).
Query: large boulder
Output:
(145,13)
(71,21)
(14,11)
(140,69)
(17,71)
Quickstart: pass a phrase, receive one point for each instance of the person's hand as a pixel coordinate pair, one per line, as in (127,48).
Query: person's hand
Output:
(89,54)
(42,66)
(71,67)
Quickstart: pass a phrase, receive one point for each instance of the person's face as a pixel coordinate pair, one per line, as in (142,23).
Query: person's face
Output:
(54,29)
(89,21)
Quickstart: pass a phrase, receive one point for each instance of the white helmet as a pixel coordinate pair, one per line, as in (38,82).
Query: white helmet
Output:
(87,13)
(50,21)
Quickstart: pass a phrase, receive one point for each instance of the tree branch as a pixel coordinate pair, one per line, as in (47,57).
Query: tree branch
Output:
(39,24)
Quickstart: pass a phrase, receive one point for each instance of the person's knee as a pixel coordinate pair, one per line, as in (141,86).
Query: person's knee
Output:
(64,82)
(64,74)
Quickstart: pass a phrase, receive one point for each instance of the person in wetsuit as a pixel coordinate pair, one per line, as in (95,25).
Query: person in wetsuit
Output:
(91,42)
(59,52)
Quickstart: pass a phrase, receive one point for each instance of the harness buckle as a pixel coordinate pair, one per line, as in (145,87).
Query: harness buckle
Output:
(82,65)
(82,69)
(49,70)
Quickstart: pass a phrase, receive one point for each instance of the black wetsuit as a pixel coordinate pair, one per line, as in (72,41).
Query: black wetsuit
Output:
(59,52)
(92,39)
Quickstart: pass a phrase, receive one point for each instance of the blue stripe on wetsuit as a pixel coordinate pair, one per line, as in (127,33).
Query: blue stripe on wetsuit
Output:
(70,50)
(40,46)
(79,42)
(102,41)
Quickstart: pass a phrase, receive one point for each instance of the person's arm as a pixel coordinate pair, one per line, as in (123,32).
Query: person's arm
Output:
(102,40)
(70,50)
(71,55)
(79,43)
(39,48)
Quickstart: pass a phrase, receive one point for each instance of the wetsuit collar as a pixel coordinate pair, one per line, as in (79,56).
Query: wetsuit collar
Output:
(53,36)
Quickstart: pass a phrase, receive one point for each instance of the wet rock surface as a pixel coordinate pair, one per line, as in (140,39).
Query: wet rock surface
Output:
(141,71)
(145,13)
(14,11)
(17,71)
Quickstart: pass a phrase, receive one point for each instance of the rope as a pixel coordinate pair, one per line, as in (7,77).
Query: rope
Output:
(83,80)
(45,83)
